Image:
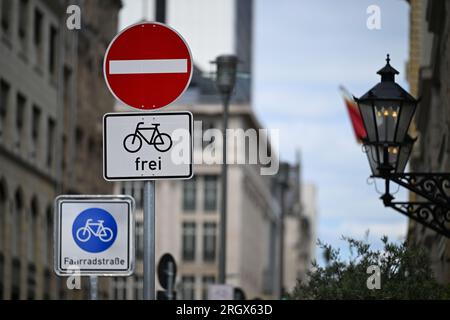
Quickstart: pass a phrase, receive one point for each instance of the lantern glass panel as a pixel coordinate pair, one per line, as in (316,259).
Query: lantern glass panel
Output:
(404,120)
(372,156)
(403,157)
(397,156)
(386,119)
(367,114)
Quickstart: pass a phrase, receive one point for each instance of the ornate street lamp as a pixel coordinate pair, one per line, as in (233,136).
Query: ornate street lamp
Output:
(225,82)
(387,111)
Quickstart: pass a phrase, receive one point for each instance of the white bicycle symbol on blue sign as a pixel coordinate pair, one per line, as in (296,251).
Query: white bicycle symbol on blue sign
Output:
(96,229)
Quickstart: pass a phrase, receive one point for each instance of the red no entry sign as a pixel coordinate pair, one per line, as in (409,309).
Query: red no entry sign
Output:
(148,66)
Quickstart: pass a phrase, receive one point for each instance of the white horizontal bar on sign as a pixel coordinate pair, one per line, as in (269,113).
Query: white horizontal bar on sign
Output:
(148,66)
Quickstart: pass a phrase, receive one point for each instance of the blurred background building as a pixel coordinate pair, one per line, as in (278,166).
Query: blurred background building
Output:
(301,237)
(52,99)
(428,77)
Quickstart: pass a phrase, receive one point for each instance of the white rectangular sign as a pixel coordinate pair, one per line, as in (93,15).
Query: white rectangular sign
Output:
(94,235)
(147,146)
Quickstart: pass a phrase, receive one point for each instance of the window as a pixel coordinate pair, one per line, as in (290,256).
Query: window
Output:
(120,289)
(188,290)
(32,221)
(31,282)
(79,136)
(44,237)
(91,146)
(2,270)
(100,67)
(4,96)
(35,128)
(131,188)
(38,19)
(15,289)
(63,157)
(67,85)
(51,142)
(16,224)
(141,202)
(137,192)
(60,288)
(206,281)
(139,288)
(6,16)
(49,234)
(207,125)
(3,200)
(139,240)
(23,23)
(189,194)
(52,50)
(47,284)
(20,114)
(209,241)
(37,37)
(210,186)
(188,241)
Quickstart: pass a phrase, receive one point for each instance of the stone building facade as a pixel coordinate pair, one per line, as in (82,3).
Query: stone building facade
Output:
(429,78)
(52,97)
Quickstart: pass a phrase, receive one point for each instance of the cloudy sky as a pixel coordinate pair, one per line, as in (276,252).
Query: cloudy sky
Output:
(303,51)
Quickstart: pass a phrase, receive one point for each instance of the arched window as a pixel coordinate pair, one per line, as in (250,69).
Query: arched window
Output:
(49,235)
(31,230)
(45,236)
(16,224)
(3,201)
(15,243)
(31,247)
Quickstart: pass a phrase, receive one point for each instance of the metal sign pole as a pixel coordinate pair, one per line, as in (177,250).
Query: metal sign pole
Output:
(93,287)
(149,240)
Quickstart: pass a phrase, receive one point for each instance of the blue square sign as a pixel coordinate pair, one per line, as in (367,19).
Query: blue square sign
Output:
(94,235)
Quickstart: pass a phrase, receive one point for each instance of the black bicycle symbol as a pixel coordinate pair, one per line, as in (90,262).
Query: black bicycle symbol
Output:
(161,141)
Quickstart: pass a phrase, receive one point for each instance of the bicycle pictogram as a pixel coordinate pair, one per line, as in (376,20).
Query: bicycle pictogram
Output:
(160,141)
(96,229)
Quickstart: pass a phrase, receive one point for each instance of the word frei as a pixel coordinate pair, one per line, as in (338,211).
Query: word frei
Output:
(148,164)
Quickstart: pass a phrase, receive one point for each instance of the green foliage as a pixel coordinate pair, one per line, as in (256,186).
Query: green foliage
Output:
(405,274)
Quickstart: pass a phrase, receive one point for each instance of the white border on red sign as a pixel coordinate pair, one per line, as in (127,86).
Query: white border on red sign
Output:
(143,23)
